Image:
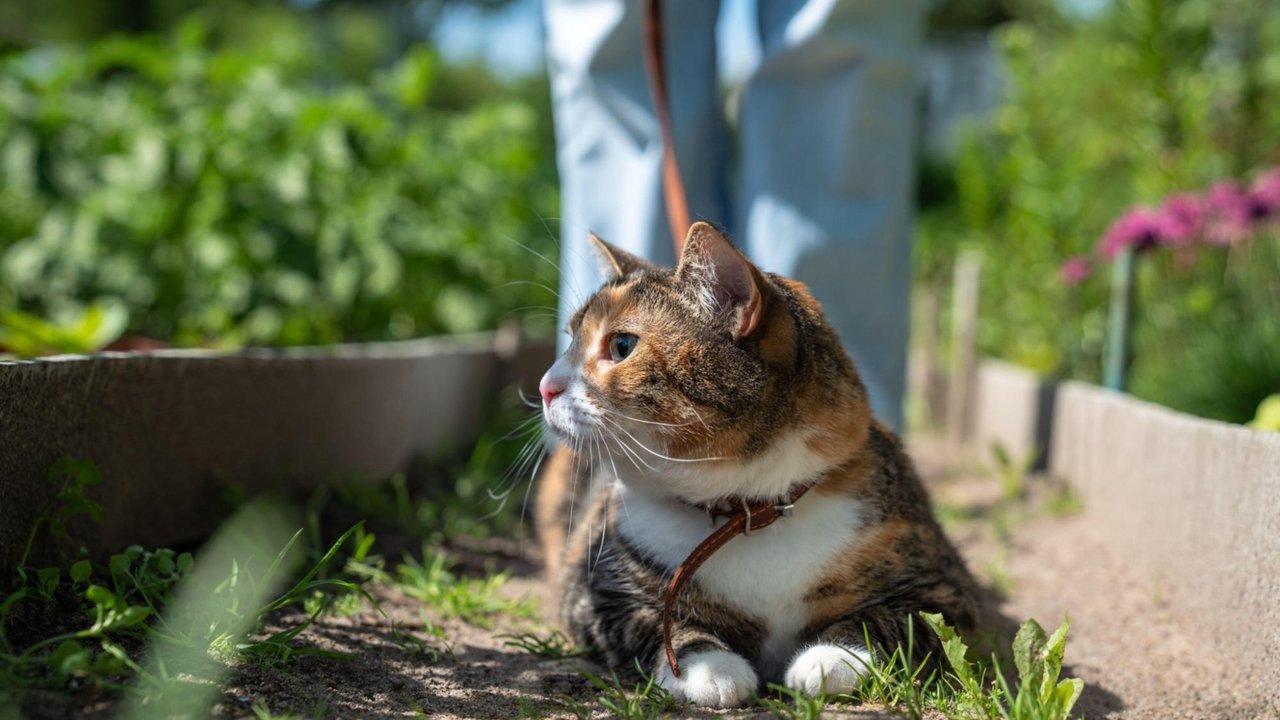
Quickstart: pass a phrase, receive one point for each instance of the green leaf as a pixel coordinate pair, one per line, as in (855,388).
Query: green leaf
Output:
(1028,648)
(100,596)
(80,571)
(952,646)
(132,615)
(185,561)
(48,579)
(119,564)
(1066,695)
(1054,650)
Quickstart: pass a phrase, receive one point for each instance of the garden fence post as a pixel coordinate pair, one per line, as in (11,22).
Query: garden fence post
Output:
(1117,360)
(964,327)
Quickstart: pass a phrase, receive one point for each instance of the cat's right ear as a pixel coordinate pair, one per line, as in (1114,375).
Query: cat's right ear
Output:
(616,263)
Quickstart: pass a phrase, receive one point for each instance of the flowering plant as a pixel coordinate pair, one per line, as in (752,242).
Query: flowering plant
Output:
(1224,215)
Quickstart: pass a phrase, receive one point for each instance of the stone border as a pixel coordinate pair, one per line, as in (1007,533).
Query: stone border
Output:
(1193,504)
(170,430)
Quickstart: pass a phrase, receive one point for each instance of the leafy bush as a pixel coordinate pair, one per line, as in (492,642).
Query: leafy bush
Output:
(223,198)
(1147,99)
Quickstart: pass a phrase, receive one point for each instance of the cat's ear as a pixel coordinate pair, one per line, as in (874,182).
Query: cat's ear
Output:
(723,276)
(614,262)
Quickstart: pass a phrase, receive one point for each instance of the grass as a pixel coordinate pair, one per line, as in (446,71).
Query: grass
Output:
(643,701)
(554,646)
(200,617)
(478,601)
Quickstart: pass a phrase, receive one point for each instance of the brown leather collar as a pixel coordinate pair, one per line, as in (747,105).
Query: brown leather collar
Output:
(743,519)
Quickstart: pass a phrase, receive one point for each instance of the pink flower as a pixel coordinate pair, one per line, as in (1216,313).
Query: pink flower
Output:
(1183,217)
(1265,194)
(1140,229)
(1229,211)
(1075,270)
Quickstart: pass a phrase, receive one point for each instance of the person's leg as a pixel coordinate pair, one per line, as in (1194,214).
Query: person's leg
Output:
(828,129)
(608,142)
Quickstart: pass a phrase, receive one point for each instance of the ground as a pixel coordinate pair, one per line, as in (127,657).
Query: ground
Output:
(1137,656)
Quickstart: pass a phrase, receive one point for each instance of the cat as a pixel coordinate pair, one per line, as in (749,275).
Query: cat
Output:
(684,394)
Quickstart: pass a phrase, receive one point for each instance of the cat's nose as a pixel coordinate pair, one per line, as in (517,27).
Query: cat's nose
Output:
(550,387)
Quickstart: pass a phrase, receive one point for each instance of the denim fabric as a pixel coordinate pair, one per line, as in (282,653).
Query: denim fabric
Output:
(826,138)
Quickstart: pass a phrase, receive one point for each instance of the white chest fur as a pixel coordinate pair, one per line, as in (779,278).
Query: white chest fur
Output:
(766,574)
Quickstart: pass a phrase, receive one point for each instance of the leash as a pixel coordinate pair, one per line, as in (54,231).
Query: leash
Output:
(672,184)
(749,517)
(743,520)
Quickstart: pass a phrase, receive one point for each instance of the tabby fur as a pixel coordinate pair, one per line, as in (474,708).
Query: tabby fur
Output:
(737,388)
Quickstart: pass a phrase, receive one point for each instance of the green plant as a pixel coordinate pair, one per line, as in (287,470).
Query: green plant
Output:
(1268,415)
(92,329)
(644,701)
(1012,471)
(903,680)
(473,600)
(1101,112)
(554,646)
(73,477)
(215,196)
(792,704)
(1039,695)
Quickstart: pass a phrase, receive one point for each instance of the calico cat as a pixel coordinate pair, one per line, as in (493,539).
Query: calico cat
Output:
(685,394)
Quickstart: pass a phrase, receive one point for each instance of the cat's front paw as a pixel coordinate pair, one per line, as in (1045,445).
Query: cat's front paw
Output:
(712,678)
(827,668)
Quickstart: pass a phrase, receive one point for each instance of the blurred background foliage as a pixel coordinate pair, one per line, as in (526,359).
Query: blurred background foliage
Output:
(263,173)
(306,171)
(1127,105)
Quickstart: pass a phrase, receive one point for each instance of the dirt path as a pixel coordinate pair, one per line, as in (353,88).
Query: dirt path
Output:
(1137,655)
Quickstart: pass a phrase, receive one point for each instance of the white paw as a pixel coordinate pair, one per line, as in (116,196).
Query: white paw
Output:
(713,678)
(827,668)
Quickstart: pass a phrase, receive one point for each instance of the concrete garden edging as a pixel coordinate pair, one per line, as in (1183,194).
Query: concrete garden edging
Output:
(1192,504)
(168,429)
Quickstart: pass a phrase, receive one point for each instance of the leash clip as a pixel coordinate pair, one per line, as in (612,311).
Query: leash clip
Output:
(785,510)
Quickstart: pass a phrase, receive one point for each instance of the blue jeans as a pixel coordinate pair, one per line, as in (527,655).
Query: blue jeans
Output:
(826,131)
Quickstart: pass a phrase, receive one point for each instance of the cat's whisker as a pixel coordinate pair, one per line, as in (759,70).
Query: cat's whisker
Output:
(648,422)
(531,402)
(544,286)
(507,482)
(668,458)
(631,454)
(533,478)
(546,259)
(698,415)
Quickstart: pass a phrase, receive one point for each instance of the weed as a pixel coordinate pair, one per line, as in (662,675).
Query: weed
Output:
(554,646)
(1063,501)
(645,701)
(473,600)
(262,712)
(900,680)
(998,577)
(528,711)
(70,501)
(1040,695)
(793,704)
(1012,471)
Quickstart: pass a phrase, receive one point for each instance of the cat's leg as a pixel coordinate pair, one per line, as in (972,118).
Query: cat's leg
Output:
(711,674)
(834,662)
(837,658)
(612,603)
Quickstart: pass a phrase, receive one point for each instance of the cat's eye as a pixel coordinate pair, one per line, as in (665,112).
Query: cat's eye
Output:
(621,345)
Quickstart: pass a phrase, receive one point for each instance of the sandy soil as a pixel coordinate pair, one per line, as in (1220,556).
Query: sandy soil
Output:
(1138,657)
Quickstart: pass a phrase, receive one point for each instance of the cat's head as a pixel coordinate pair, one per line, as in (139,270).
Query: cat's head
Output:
(706,381)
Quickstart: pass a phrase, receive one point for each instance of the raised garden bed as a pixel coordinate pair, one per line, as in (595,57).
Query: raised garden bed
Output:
(1192,504)
(174,432)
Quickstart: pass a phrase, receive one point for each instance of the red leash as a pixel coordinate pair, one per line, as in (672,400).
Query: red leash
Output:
(672,184)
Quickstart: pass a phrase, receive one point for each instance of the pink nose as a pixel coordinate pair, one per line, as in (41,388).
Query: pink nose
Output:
(550,387)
